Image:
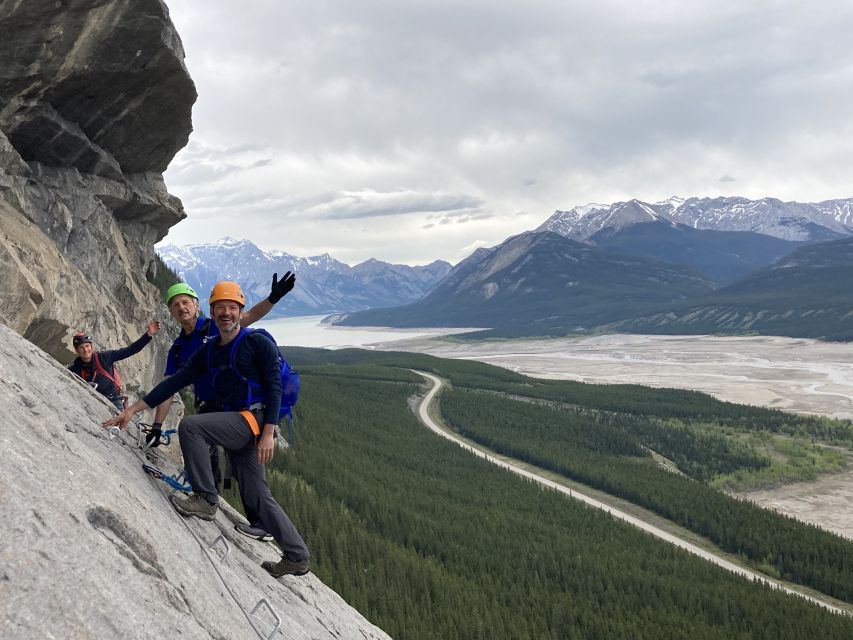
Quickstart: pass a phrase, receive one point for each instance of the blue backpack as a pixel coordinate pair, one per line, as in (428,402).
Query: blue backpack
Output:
(289,376)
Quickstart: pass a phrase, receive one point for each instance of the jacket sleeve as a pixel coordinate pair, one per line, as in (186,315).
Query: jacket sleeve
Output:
(185,376)
(126,352)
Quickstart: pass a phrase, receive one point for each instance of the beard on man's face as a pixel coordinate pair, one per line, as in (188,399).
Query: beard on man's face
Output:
(227,320)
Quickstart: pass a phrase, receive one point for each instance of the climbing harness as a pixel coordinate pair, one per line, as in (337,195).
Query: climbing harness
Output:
(98,368)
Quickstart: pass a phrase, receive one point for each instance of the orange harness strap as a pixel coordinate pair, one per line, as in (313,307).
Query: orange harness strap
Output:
(250,419)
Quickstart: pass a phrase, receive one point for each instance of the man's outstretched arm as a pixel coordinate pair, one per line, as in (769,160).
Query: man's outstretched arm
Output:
(278,290)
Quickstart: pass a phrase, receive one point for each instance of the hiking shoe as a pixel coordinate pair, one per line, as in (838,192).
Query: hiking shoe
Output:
(286,567)
(194,505)
(253,531)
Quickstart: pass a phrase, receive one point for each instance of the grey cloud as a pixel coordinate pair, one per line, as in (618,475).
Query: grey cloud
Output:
(370,204)
(599,101)
(202,164)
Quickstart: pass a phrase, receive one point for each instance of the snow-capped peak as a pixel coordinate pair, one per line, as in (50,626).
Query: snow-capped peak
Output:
(229,242)
(770,216)
(675,202)
(584,209)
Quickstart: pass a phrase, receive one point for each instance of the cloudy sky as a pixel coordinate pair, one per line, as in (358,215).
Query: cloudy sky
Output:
(416,130)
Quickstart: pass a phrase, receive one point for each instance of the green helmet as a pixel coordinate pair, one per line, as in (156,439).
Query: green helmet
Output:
(180,288)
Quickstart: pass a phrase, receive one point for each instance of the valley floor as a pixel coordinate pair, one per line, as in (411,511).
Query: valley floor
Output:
(792,374)
(641,519)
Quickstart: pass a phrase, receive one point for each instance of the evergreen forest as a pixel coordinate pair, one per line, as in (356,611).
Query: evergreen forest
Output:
(429,541)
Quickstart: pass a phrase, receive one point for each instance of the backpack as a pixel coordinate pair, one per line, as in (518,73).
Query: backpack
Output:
(289,376)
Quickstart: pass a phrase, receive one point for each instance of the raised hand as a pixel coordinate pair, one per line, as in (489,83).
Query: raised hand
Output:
(281,288)
(153,328)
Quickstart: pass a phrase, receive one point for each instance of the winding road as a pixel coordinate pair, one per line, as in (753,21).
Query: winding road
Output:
(423,413)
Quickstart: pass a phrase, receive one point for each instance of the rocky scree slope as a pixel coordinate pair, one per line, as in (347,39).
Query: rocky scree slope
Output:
(95,100)
(92,548)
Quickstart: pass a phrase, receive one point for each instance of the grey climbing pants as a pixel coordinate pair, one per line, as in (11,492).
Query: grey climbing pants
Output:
(230,431)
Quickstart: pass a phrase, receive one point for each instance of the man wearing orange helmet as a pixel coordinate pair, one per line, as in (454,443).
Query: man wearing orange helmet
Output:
(196,330)
(232,425)
(182,301)
(98,367)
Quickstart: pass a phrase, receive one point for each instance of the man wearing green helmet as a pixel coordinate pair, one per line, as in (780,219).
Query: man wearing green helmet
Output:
(196,330)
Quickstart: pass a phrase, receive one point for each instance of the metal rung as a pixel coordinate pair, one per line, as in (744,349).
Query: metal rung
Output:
(114,432)
(226,545)
(262,602)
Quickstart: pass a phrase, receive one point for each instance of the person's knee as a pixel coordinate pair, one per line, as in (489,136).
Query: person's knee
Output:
(188,427)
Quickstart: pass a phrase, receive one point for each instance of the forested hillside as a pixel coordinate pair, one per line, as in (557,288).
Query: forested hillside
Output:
(806,294)
(429,542)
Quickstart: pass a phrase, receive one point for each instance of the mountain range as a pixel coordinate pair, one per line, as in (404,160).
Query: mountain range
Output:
(543,283)
(695,265)
(698,265)
(795,221)
(325,285)
(723,256)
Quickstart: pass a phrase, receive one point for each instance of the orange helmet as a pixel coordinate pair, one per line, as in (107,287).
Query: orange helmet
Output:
(227,291)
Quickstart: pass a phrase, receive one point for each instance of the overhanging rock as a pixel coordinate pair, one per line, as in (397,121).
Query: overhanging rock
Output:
(95,101)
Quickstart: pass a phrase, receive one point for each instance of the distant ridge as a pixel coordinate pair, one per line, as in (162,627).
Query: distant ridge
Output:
(324,285)
(793,221)
(723,256)
(806,294)
(641,270)
(543,283)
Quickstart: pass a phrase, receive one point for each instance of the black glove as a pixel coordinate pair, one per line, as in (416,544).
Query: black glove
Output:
(281,288)
(153,438)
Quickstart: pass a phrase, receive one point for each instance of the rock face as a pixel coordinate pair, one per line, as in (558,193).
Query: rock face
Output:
(95,100)
(92,548)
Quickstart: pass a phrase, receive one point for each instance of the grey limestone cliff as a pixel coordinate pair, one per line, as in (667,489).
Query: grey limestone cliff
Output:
(95,100)
(92,548)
